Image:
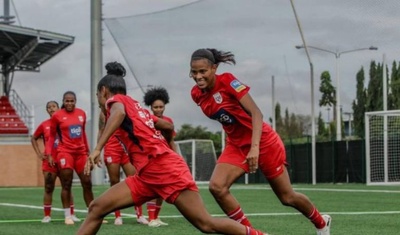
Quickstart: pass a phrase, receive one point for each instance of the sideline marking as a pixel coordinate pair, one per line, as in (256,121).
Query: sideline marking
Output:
(180,216)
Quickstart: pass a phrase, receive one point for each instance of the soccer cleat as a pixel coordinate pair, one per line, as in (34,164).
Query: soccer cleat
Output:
(46,219)
(118,221)
(142,220)
(104,221)
(161,222)
(154,223)
(69,221)
(75,219)
(327,229)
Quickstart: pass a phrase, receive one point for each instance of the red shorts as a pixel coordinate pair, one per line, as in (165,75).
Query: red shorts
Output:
(165,176)
(117,157)
(270,161)
(46,167)
(71,161)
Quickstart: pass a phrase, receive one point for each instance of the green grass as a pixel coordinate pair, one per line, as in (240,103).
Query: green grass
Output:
(355,209)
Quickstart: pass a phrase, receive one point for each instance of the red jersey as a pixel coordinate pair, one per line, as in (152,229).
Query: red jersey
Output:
(137,131)
(70,126)
(222,104)
(43,131)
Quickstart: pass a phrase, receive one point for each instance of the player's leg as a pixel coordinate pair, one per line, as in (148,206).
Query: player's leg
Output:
(283,189)
(86,180)
(115,198)
(49,183)
(66,176)
(191,205)
(72,209)
(114,176)
(224,175)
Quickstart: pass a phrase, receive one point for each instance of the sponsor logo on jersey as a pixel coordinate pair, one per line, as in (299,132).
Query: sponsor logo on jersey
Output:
(218,98)
(238,86)
(223,117)
(75,131)
(80,118)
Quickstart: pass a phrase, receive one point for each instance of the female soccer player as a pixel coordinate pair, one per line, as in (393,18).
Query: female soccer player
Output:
(115,155)
(69,124)
(50,172)
(156,98)
(251,143)
(160,171)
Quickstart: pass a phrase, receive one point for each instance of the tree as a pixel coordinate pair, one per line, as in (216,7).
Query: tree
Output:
(359,104)
(394,94)
(328,91)
(321,126)
(375,93)
(278,119)
(187,131)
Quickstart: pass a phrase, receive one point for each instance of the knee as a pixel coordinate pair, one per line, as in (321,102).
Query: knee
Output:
(66,184)
(205,226)
(218,189)
(87,185)
(49,187)
(287,199)
(95,208)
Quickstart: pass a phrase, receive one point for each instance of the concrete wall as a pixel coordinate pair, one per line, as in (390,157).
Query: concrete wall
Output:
(19,165)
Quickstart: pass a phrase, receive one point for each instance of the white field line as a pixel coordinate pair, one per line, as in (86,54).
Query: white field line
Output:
(260,187)
(221,215)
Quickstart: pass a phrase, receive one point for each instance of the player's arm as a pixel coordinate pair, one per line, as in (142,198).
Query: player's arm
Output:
(52,137)
(166,127)
(117,115)
(257,122)
(102,124)
(35,145)
(85,139)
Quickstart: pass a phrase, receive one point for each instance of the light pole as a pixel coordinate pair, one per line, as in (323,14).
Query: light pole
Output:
(337,56)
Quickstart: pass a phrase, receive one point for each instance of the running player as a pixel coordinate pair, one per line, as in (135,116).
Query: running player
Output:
(160,171)
(50,172)
(251,143)
(115,155)
(69,124)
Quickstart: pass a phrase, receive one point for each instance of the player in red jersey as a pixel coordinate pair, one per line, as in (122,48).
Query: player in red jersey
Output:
(72,151)
(160,171)
(115,154)
(251,143)
(156,98)
(50,172)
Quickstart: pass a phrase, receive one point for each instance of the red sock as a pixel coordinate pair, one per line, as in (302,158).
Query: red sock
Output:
(138,210)
(151,210)
(252,231)
(117,214)
(72,209)
(47,209)
(157,211)
(239,216)
(316,218)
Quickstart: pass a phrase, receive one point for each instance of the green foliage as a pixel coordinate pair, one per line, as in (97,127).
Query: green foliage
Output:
(187,131)
(328,91)
(359,105)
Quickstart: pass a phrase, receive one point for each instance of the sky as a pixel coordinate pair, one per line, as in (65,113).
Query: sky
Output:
(157,37)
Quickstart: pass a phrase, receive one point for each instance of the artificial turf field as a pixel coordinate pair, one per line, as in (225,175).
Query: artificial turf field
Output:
(355,209)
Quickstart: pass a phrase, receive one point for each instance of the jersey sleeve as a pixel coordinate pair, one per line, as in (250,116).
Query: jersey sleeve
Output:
(234,86)
(155,118)
(39,131)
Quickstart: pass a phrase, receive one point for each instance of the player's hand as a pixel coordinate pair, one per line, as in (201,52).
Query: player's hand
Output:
(252,159)
(51,161)
(93,159)
(41,156)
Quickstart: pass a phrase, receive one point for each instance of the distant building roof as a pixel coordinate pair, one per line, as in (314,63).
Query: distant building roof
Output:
(25,49)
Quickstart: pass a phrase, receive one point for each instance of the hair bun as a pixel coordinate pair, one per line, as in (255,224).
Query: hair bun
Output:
(115,68)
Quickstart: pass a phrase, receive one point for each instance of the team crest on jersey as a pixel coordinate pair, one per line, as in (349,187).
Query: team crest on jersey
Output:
(62,161)
(80,118)
(218,98)
(238,86)
(138,106)
(109,159)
